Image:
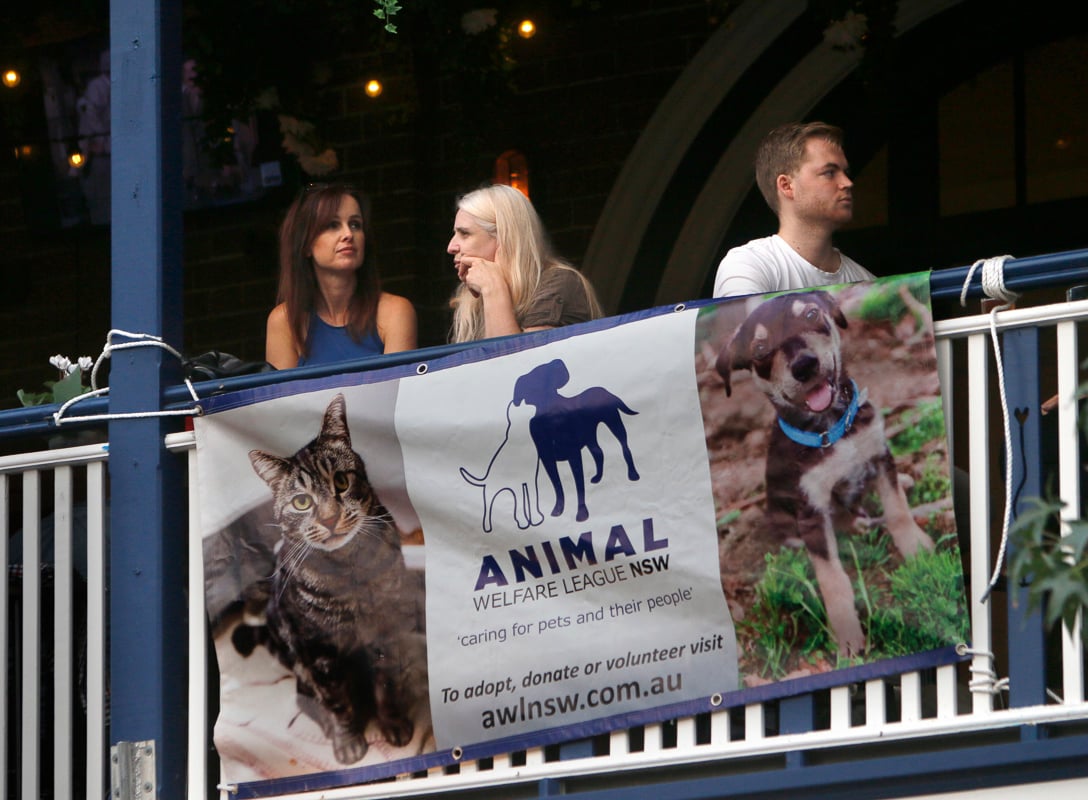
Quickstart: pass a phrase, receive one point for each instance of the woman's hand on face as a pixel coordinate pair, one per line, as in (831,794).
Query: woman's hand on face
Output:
(487,280)
(482,277)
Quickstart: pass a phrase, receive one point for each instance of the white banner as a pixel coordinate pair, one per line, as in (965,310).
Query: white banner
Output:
(542,615)
(552,536)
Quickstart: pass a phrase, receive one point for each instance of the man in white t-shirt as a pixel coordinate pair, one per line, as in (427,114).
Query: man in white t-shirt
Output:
(803,174)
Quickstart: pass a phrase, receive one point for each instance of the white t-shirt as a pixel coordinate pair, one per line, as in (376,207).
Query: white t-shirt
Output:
(771,265)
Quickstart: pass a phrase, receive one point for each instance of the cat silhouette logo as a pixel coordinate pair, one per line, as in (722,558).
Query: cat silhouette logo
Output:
(543,429)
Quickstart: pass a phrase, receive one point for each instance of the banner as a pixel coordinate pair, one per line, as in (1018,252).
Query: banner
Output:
(557,535)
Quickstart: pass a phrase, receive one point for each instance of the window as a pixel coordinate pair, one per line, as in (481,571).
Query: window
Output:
(512,169)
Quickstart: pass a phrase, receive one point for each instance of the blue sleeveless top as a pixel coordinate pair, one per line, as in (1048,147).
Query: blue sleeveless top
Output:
(329,343)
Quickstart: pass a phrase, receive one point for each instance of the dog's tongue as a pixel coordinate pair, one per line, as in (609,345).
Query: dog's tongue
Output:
(819,398)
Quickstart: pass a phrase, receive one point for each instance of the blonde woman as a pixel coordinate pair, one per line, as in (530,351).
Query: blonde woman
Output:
(511,281)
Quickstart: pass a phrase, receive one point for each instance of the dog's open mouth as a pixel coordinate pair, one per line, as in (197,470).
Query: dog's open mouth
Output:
(820,397)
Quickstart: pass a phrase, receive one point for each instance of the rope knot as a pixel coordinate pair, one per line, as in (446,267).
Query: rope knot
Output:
(993,281)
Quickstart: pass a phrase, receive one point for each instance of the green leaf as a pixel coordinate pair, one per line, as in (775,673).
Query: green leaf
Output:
(728,517)
(33,398)
(68,387)
(385,11)
(1077,538)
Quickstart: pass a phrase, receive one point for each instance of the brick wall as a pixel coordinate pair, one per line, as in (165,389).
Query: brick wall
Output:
(584,90)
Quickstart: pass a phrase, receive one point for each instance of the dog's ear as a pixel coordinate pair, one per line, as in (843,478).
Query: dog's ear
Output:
(558,373)
(724,365)
(831,305)
(734,355)
(519,390)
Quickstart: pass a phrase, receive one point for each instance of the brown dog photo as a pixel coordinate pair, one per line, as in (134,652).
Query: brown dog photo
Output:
(829,464)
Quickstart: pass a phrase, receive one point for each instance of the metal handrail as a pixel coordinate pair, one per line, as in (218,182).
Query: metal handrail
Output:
(1020,275)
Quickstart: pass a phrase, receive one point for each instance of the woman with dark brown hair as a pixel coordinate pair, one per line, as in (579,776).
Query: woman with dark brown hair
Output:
(330,303)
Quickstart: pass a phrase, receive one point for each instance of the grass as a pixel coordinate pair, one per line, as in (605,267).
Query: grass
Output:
(926,609)
(921,424)
(788,617)
(913,607)
(884,303)
(933,485)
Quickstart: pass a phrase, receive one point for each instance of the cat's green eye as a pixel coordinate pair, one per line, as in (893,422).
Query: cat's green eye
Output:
(302,502)
(340,481)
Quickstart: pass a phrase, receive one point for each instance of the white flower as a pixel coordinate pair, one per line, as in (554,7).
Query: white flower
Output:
(293,126)
(72,368)
(86,363)
(60,362)
(847,33)
(479,20)
(295,146)
(320,164)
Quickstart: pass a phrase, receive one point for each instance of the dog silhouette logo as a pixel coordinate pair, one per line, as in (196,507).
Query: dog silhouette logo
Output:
(513,469)
(545,428)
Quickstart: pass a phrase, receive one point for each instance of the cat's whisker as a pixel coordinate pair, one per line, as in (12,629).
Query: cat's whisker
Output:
(374,532)
(322,501)
(367,525)
(290,561)
(293,551)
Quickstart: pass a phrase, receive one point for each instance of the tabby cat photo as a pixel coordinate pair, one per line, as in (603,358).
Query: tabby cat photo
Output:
(340,610)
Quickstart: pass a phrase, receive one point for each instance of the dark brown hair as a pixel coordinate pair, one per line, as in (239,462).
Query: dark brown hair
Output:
(316,206)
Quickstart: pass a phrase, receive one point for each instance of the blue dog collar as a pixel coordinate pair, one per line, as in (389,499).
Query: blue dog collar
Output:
(832,434)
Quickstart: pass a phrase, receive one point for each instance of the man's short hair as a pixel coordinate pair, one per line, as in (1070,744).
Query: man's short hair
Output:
(782,151)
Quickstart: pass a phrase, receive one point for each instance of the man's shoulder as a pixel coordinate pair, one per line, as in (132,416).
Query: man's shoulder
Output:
(851,271)
(768,253)
(750,268)
(762,247)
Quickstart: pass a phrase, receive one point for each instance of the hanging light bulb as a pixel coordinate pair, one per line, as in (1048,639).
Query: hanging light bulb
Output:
(76,160)
(373,87)
(12,78)
(526,29)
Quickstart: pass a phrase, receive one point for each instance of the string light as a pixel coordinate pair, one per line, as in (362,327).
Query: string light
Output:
(526,29)
(373,88)
(76,160)
(12,78)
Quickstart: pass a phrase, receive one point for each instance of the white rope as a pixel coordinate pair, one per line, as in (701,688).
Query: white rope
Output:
(986,681)
(135,340)
(993,281)
(993,285)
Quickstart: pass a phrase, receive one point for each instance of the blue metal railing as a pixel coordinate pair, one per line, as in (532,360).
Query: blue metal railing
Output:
(1021,275)
(1028,662)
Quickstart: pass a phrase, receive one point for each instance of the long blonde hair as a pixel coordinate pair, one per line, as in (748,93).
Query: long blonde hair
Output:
(507,216)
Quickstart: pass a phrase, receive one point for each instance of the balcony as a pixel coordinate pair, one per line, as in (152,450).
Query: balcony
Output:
(1015,713)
